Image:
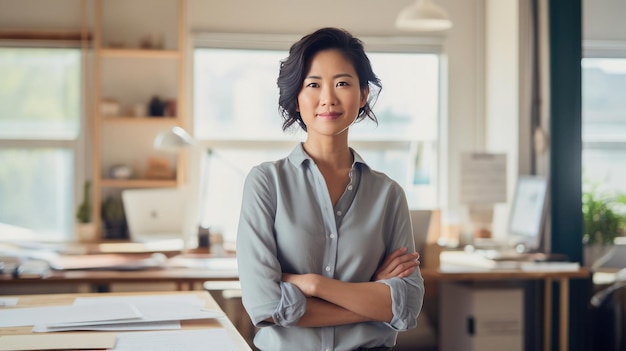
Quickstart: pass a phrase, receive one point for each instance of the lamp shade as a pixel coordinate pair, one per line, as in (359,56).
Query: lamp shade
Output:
(173,139)
(423,16)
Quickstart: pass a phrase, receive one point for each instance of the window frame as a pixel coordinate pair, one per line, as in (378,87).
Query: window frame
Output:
(78,146)
(373,44)
(393,44)
(604,50)
(593,49)
(600,49)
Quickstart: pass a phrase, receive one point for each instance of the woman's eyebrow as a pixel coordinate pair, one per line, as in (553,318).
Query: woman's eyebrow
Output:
(340,75)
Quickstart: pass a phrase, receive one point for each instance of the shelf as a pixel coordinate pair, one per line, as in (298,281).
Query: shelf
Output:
(133,76)
(138,183)
(140,53)
(44,34)
(140,120)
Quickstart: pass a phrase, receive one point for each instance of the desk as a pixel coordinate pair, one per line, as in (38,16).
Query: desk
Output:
(436,275)
(197,270)
(67,299)
(185,278)
(110,262)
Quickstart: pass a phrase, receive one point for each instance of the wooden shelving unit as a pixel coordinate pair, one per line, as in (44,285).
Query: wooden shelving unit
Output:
(137,183)
(170,121)
(104,54)
(140,53)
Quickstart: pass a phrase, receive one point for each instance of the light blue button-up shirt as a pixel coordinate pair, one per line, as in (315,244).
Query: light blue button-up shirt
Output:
(288,224)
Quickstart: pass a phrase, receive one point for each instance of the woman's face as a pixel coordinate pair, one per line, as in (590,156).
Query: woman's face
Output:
(330,97)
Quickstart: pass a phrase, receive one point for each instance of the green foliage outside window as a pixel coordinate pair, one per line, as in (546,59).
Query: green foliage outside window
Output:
(604,215)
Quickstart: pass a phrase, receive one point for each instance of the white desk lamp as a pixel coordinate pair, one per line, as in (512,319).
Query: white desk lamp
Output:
(174,140)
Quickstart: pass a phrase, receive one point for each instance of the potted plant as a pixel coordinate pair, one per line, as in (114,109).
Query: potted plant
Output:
(85,228)
(604,216)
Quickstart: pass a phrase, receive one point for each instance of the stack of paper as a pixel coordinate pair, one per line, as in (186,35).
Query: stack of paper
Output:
(461,261)
(120,313)
(550,266)
(112,313)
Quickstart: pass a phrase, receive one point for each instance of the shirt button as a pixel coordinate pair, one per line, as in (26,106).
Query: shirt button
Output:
(338,213)
(349,187)
(332,235)
(327,268)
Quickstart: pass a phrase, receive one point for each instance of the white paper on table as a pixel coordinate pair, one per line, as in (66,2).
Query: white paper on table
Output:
(159,308)
(162,325)
(179,340)
(111,313)
(8,301)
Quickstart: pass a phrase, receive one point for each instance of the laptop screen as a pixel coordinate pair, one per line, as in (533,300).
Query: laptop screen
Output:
(527,212)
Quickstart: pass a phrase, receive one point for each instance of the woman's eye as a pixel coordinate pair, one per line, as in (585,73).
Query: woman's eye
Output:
(312,85)
(343,84)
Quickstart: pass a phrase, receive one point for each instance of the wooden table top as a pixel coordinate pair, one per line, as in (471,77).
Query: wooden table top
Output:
(111,276)
(45,300)
(492,275)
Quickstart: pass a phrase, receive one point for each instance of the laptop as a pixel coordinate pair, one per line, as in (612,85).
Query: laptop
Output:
(154,214)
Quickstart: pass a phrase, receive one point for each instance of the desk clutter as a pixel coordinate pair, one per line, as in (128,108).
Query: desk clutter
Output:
(481,260)
(110,314)
(131,322)
(39,262)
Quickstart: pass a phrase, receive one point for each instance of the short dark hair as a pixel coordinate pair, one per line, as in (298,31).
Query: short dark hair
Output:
(293,71)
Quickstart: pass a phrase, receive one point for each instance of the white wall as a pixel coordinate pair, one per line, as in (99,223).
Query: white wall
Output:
(502,112)
(40,14)
(604,20)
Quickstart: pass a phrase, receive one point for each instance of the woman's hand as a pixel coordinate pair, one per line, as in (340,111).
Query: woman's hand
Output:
(399,264)
(307,283)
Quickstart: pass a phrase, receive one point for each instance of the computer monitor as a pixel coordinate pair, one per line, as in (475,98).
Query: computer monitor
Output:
(527,213)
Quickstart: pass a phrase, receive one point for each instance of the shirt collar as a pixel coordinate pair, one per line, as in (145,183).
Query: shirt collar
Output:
(298,156)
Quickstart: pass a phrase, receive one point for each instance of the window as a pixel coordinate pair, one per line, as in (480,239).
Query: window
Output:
(604,121)
(236,118)
(40,109)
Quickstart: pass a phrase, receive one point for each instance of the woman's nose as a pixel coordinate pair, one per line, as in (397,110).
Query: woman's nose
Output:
(328,97)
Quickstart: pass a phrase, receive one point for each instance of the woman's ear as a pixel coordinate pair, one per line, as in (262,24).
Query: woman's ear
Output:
(364,94)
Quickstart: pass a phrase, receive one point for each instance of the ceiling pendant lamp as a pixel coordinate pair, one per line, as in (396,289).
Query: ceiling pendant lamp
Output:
(423,16)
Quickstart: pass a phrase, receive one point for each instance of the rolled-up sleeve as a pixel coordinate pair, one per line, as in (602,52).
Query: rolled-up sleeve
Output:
(406,300)
(291,307)
(407,294)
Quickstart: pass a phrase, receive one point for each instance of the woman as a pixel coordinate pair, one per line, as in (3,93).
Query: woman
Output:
(325,247)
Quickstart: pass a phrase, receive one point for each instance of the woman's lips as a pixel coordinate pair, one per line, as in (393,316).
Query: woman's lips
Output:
(330,114)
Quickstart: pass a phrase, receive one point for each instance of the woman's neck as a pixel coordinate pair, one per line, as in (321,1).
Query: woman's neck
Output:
(330,153)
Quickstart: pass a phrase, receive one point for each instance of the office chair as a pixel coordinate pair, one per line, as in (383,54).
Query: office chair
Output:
(608,317)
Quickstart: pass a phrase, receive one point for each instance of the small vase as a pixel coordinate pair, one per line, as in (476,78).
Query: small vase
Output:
(86,232)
